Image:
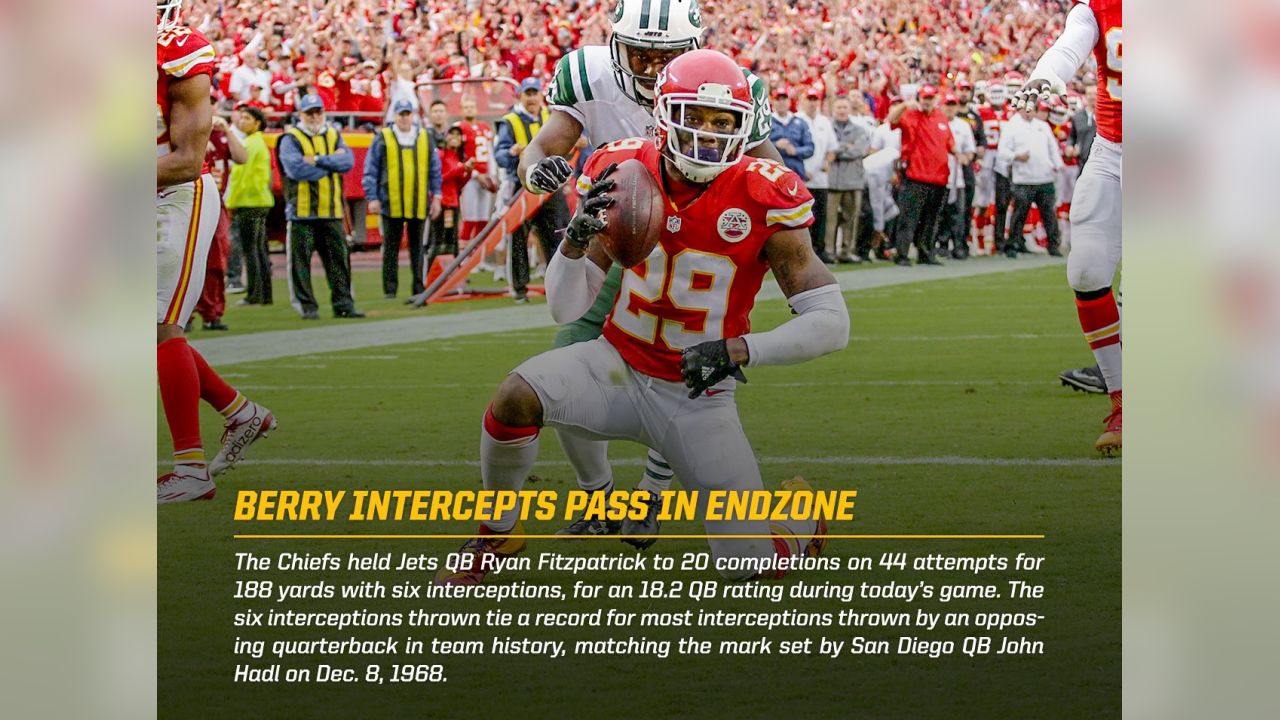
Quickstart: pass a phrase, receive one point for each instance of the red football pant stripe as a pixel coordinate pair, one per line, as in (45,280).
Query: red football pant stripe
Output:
(188,258)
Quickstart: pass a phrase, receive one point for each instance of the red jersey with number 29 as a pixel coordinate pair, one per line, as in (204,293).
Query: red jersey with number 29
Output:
(1110,66)
(700,281)
(181,53)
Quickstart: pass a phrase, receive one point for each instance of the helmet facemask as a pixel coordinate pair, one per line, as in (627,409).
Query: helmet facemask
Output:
(629,58)
(167,14)
(703,133)
(996,95)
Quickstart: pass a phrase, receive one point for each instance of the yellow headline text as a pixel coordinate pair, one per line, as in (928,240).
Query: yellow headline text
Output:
(485,505)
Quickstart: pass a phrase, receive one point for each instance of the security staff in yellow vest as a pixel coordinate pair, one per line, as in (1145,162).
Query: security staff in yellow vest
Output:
(401,181)
(313,159)
(514,132)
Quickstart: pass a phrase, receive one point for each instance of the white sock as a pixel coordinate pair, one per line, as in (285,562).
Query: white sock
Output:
(657,473)
(589,458)
(504,465)
(1109,361)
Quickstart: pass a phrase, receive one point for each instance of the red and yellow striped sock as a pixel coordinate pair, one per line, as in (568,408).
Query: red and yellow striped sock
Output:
(1100,321)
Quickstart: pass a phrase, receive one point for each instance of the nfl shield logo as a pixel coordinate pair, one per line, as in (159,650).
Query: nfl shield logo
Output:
(673,224)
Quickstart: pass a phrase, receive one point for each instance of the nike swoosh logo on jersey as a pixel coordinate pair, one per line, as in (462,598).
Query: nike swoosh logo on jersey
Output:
(712,393)
(794,190)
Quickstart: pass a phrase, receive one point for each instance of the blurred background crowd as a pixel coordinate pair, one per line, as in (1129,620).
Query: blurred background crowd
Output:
(362,55)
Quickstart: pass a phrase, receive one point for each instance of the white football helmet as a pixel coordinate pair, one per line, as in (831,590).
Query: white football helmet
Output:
(670,27)
(996,94)
(167,14)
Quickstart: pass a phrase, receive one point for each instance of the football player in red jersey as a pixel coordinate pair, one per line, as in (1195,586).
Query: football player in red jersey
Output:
(994,193)
(664,372)
(1094,26)
(476,203)
(187,210)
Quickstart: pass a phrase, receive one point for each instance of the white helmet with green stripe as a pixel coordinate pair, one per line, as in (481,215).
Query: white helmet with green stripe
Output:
(647,34)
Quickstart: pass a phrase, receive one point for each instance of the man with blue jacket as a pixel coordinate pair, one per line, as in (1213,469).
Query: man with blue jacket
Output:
(312,159)
(515,130)
(401,181)
(790,135)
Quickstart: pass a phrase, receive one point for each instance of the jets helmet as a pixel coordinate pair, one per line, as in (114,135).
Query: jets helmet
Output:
(648,33)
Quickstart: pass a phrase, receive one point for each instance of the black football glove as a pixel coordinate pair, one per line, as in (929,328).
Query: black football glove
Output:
(588,222)
(706,364)
(548,175)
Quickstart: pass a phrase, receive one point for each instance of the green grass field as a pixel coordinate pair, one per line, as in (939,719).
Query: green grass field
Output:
(944,413)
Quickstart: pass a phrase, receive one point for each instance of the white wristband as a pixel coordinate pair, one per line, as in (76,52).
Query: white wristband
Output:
(528,183)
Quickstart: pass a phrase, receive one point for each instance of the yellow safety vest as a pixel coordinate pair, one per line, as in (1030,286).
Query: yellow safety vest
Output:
(408,169)
(321,199)
(525,131)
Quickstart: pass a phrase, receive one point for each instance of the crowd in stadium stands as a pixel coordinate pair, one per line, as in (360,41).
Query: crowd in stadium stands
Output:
(835,68)
(361,56)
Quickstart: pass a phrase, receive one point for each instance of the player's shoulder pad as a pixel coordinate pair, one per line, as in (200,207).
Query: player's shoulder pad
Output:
(182,52)
(584,75)
(614,152)
(778,192)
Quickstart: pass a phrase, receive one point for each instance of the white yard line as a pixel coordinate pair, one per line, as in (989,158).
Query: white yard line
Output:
(754,385)
(353,336)
(854,460)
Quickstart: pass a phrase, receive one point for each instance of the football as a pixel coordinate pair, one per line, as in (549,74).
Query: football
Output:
(636,216)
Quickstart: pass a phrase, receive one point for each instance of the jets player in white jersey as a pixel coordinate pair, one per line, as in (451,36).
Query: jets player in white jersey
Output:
(606,94)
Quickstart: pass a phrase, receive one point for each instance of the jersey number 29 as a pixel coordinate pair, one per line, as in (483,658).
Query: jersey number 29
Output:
(693,281)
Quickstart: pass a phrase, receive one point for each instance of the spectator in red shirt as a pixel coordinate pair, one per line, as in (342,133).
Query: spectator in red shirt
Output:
(455,171)
(927,143)
(224,148)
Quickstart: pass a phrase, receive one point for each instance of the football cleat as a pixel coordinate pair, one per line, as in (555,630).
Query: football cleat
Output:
(584,526)
(237,436)
(1109,441)
(174,487)
(643,533)
(473,567)
(818,541)
(1084,379)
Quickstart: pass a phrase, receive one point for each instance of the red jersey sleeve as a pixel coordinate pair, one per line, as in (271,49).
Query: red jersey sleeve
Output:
(780,194)
(614,152)
(183,53)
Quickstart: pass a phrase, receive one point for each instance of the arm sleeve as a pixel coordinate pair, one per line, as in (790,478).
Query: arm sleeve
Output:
(340,160)
(372,177)
(434,179)
(861,143)
(561,94)
(979,134)
(804,149)
(292,165)
(1061,61)
(1004,150)
(502,148)
(236,88)
(455,171)
(572,285)
(821,326)
(256,171)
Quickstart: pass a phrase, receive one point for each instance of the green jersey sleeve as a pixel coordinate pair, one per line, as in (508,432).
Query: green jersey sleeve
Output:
(763,123)
(570,83)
